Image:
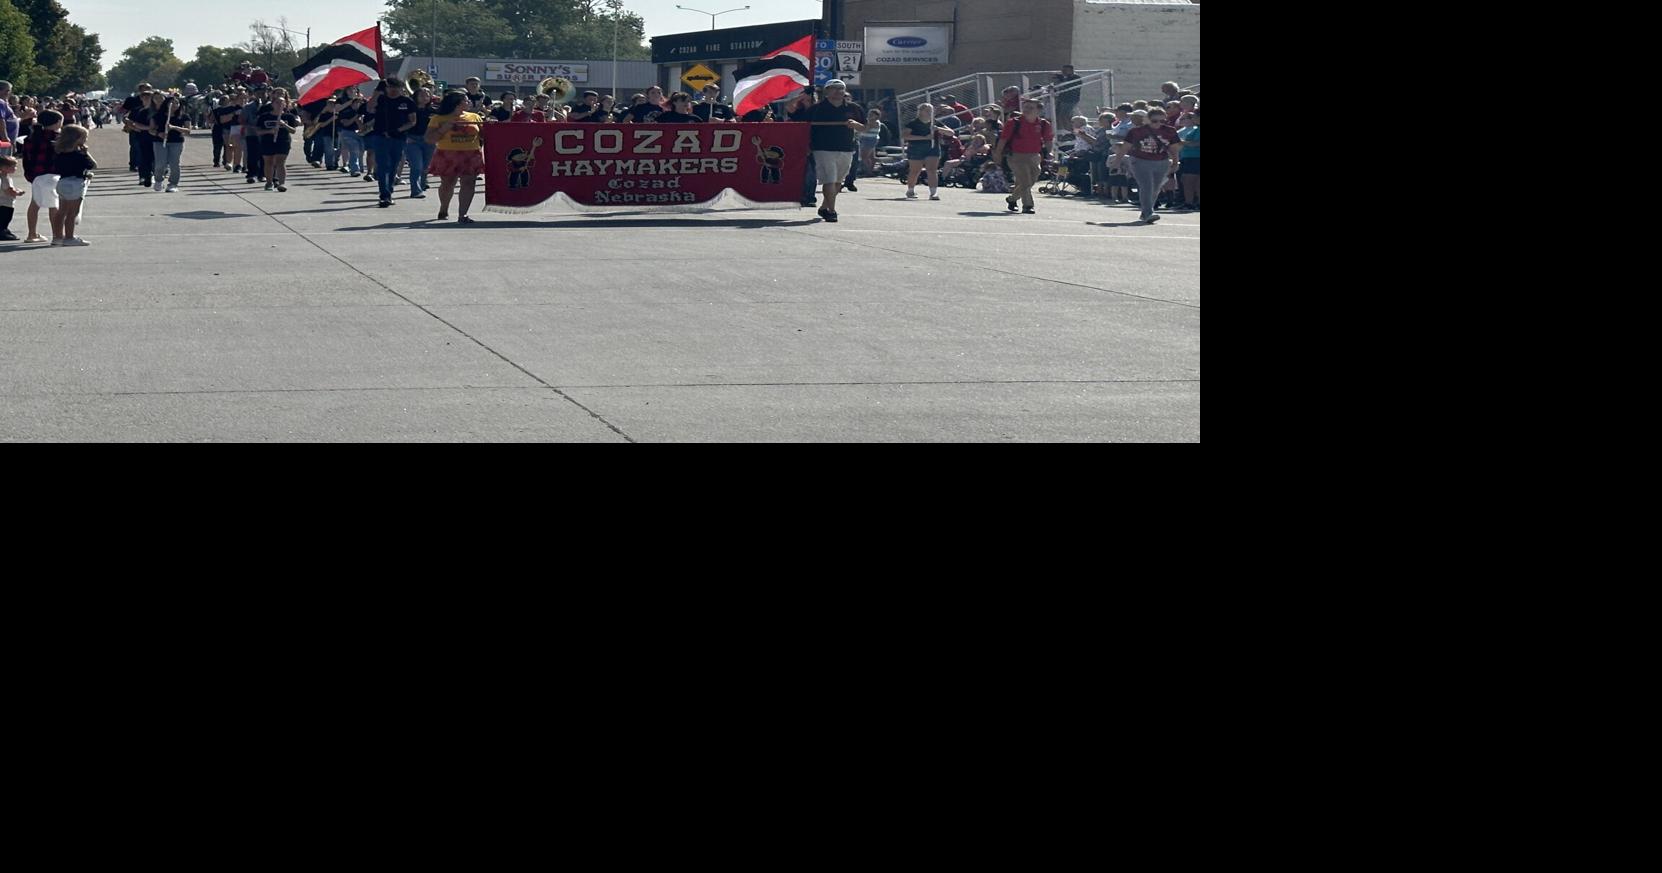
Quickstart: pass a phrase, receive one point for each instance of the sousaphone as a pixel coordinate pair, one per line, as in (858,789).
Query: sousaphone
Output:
(557,88)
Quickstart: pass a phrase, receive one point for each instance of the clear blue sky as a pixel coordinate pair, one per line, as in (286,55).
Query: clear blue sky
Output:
(122,24)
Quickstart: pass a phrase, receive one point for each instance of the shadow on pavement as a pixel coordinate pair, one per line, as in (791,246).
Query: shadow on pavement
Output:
(204,215)
(484,223)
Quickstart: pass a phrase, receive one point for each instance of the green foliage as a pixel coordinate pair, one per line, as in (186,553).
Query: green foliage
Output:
(42,52)
(17,49)
(139,63)
(530,29)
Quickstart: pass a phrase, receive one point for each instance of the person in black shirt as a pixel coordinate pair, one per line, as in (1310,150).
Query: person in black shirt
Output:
(647,106)
(417,151)
(711,108)
(139,120)
(169,125)
(395,116)
(350,141)
(137,145)
(835,120)
(476,96)
(277,126)
(504,110)
(680,106)
(589,110)
(227,131)
(73,167)
(311,149)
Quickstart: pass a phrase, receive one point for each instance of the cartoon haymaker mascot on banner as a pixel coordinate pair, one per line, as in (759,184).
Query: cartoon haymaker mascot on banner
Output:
(519,165)
(772,160)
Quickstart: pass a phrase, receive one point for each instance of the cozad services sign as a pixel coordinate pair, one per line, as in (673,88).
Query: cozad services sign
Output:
(908,45)
(532,72)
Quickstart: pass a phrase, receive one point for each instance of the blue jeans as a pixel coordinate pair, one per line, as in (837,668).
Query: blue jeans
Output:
(167,160)
(420,156)
(389,151)
(352,152)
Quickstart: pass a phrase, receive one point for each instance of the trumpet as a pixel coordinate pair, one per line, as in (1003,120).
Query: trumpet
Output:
(558,88)
(418,79)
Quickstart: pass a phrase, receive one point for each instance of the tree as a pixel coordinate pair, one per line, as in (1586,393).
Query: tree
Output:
(213,65)
(139,62)
(528,29)
(17,48)
(272,48)
(82,70)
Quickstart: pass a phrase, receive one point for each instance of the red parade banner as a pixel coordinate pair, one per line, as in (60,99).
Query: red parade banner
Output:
(658,166)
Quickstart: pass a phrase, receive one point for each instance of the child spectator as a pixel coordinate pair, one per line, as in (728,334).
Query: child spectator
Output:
(39,156)
(1189,159)
(73,167)
(8,197)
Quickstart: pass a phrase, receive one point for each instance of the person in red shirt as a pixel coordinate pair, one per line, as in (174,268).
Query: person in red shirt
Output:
(1154,148)
(528,114)
(962,112)
(1028,138)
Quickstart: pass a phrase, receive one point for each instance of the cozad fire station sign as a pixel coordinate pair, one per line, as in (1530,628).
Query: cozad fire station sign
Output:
(668,166)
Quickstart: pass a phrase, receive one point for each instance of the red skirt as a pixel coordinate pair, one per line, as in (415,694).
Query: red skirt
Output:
(457,163)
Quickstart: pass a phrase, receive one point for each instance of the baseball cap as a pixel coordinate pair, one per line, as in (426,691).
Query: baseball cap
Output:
(837,83)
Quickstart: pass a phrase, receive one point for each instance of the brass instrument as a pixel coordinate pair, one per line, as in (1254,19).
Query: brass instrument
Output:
(417,80)
(558,88)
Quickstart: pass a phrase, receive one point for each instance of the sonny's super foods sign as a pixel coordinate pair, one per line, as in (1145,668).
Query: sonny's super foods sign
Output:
(653,165)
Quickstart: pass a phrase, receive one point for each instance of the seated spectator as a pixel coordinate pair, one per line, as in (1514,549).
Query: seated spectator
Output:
(961,112)
(947,118)
(971,159)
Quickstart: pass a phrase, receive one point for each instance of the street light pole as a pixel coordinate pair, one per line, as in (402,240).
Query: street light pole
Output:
(617,13)
(711,14)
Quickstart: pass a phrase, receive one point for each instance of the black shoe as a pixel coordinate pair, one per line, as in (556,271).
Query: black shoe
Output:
(368,178)
(1027,210)
(282,190)
(216,164)
(143,182)
(1010,202)
(269,186)
(831,217)
(1153,218)
(383,204)
(850,187)
(825,213)
(810,203)
(8,236)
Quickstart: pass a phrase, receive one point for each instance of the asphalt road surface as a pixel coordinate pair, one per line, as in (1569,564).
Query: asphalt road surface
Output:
(225,312)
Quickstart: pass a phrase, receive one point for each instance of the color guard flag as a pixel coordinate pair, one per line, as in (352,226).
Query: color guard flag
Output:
(352,60)
(776,76)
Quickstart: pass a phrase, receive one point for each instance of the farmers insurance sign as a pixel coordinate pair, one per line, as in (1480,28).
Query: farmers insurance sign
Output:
(532,72)
(908,45)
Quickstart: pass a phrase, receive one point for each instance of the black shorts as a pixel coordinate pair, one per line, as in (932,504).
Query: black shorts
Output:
(1189,166)
(914,153)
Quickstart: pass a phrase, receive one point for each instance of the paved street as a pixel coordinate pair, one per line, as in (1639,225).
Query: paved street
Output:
(228,313)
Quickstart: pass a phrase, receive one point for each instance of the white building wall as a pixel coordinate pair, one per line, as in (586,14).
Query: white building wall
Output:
(1144,43)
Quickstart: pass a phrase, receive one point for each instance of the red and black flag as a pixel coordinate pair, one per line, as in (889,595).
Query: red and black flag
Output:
(352,60)
(776,76)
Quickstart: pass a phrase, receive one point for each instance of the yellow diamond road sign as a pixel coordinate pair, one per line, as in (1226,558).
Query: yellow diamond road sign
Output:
(699,76)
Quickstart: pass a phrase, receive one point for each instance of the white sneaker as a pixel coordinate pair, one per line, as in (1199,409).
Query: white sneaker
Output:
(76,241)
(158,187)
(934,197)
(172,189)
(911,195)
